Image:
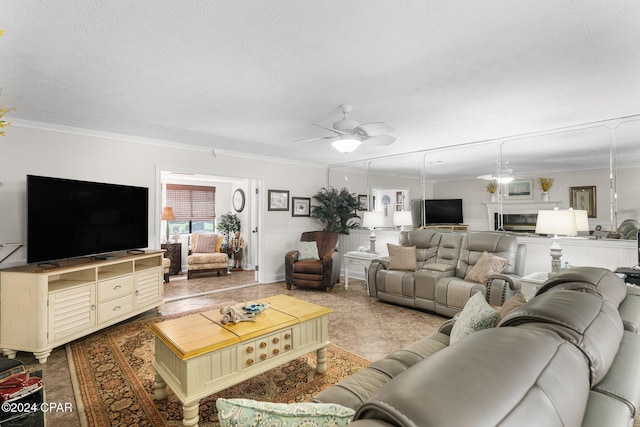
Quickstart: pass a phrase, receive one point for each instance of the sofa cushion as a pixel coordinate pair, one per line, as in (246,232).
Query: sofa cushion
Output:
(308,250)
(481,381)
(511,304)
(476,315)
(487,265)
(596,280)
(583,319)
(247,412)
(402,257)
(204,243)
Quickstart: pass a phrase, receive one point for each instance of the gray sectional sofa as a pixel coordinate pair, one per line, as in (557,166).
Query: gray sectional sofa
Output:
(442,261)
(568,357)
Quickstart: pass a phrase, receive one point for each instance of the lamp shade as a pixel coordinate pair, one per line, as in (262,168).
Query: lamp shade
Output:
(402,218)
(557,222)
(373,220)
(167,214)
(346,144)
(582,220)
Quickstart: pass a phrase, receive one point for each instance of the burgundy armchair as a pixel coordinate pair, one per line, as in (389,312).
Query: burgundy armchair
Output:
(323,272)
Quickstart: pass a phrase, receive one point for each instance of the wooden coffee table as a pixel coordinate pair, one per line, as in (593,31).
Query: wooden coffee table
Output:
(197,356)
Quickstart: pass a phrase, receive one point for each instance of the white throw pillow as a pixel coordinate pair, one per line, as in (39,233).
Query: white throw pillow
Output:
(476,315)
(307,250)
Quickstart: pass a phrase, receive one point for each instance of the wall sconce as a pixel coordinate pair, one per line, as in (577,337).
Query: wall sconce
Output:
(372,220)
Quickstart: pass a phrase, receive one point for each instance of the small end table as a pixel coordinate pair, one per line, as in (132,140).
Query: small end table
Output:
(530,283)
(173,251)
(363,258)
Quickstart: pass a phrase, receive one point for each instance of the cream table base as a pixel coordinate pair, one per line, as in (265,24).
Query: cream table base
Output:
(197,356)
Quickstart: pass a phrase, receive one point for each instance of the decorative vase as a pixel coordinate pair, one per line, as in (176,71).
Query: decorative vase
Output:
(545,196)
(492,197)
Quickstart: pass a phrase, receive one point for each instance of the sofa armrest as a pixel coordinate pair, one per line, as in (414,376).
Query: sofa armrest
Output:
(446,327)
(384,261)
(439,267)
(501,287)
(511,279)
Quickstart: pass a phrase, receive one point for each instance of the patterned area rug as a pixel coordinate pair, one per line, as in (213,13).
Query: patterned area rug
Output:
(115,378)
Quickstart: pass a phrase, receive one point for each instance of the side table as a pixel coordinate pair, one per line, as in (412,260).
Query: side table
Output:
(173,251)
(363,258)
(531,282)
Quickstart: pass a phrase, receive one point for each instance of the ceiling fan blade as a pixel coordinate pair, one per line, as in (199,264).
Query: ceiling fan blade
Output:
(375,128)
(315,139)
(379,140)
(339,132)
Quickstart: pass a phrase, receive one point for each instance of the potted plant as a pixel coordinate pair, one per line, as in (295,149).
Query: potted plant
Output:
(336,209)
(227,224)
(545,185)
(492,187)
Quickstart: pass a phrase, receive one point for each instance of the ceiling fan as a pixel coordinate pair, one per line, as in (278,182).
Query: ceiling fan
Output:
(349,134)
(503,176)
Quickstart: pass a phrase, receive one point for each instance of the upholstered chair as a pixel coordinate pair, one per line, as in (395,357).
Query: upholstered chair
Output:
(316,262)
(166,265)
(205,255)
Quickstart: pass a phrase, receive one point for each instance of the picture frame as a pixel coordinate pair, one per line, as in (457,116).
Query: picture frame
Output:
(301,206)
(519,189)
(278,200)
(584,198)
(363,202)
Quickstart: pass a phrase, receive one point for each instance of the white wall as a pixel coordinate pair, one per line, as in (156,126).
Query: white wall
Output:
(85,157)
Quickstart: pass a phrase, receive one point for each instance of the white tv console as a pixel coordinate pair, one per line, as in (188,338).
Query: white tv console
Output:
(44,306)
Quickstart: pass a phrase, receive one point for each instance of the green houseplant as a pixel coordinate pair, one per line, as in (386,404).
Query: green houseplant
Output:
(227,224)
(336,209)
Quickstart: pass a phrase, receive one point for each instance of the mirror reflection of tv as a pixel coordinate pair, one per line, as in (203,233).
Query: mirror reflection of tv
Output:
(70,218)
(443,211)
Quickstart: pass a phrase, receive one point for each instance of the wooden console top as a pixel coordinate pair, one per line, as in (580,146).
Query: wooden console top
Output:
(200,333)
(80,262)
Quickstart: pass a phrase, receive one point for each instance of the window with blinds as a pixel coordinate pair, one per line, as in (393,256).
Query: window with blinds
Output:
(194,207)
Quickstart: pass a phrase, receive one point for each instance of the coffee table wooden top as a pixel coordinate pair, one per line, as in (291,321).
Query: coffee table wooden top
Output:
(201,333)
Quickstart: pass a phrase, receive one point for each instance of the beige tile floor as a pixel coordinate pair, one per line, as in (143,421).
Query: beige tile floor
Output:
(364,326)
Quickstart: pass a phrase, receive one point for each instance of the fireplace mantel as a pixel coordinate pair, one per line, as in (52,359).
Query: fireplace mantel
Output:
(518,207)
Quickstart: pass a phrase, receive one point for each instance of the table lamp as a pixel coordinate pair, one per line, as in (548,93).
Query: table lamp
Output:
(556,222)
(167,215)
(402,218)
(372,220)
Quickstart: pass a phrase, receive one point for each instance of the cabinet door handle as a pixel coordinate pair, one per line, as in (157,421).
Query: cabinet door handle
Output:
(263,344)
(117,308)
(287,336)
(93,306)
(115,288)
(249,349)
(263,356)
(249,361)
(276,340)
(276,350)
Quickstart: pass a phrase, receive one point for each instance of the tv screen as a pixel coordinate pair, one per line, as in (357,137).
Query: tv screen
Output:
(443,211)
(69,218)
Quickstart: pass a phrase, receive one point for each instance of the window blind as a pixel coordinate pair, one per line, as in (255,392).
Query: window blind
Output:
(191,201)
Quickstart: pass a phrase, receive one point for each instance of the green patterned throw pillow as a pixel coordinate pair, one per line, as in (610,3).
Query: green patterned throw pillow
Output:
(476,315)
(247,412)
(307,250)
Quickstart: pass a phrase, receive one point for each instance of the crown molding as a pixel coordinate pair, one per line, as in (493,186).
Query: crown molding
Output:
(155,142)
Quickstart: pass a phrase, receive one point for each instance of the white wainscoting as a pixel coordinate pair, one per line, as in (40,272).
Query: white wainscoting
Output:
(607,253)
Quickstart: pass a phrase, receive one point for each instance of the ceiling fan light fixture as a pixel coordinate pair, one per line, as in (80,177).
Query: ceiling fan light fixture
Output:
(504,179)
(346,144)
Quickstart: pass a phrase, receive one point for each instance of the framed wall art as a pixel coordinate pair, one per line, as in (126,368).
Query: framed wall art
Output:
(363,202)
(519,189)
(301,206)
(278,200)
(584,198)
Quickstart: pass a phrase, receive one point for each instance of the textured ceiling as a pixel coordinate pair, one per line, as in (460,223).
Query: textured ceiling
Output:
(251,76)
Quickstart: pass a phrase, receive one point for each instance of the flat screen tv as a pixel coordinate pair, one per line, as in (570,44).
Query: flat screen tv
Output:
(443,211)
(69,218)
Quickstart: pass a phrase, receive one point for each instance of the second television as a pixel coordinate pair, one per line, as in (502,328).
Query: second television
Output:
(443,211)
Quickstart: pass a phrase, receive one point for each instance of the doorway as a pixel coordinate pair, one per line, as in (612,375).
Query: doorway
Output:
(226,186)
